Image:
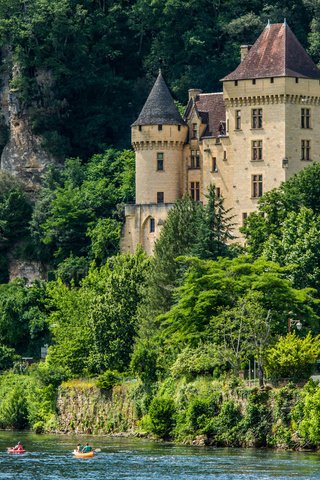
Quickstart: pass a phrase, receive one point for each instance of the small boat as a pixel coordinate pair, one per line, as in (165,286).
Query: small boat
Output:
(16,450)
(83,454)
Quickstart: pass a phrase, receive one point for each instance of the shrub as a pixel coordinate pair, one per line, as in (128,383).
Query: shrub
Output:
(7,357)
(162,415)
(14,411)
(196,361)
(199,414)
(108,379)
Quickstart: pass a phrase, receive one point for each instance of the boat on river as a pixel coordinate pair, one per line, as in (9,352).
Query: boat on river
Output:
(16,450)
(83,454)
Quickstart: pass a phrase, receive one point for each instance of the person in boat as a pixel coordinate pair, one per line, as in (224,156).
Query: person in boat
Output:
(87,448)
(19,446)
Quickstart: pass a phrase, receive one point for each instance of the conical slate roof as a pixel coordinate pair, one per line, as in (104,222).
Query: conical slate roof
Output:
(276,53)
(159,108)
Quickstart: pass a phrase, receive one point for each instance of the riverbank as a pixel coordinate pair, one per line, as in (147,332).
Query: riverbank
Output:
(201,411)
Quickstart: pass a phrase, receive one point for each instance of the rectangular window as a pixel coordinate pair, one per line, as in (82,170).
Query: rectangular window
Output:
(238,120)
(195,159)
(195,191)
(305,150)
(256,119)
(194,130)
(160,160)
(160,197)
(256,186)
(214,164)
(256,150)
(305,118)
(159,127)
(152,225)
(218,192)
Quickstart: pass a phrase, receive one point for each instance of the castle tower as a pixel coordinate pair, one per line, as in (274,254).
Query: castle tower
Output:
(158,138)
(272,104)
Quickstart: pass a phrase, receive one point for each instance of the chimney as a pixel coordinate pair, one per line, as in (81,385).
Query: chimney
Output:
(244,50)
(194,92)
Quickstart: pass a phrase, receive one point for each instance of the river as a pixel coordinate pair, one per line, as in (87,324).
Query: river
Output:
(49,457)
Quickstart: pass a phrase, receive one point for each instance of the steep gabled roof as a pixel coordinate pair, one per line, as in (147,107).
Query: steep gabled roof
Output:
(276,53)
(212,111)
(159,108)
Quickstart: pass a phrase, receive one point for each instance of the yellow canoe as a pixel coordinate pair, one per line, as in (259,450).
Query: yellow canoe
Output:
(83,455)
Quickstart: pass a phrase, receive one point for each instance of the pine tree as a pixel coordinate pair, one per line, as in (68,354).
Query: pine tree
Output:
(214,229)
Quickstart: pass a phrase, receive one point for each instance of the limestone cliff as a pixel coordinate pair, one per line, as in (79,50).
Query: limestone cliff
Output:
(23,155)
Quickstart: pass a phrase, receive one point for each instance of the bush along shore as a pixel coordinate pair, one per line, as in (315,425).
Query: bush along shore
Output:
(204,411)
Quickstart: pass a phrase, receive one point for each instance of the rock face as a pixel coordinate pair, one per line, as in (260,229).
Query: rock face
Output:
(23,155)
(28,270)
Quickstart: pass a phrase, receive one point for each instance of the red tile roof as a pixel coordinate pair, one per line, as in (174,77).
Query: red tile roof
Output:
(212,111)
(276,53)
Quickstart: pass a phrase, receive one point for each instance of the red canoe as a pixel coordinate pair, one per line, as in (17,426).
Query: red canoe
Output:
(15,450)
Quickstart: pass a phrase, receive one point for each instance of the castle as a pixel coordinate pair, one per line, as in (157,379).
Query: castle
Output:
(262,129)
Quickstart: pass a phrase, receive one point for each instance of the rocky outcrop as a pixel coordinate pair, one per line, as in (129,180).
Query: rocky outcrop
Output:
(23,155)
(28,270)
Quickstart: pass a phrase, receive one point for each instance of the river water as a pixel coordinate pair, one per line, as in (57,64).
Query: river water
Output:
(49,457)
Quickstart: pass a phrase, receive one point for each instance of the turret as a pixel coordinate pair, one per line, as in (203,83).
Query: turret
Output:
(158,137)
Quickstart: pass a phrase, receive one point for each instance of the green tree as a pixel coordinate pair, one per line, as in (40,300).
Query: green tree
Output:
(177,238)
(94,325)
(79,210)
(286,227)
(71,329)
(212,287)
(293,357)
(215,228)
(23,324)
(113,316)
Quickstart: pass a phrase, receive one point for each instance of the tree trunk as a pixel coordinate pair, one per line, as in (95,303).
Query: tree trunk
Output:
(261,375)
